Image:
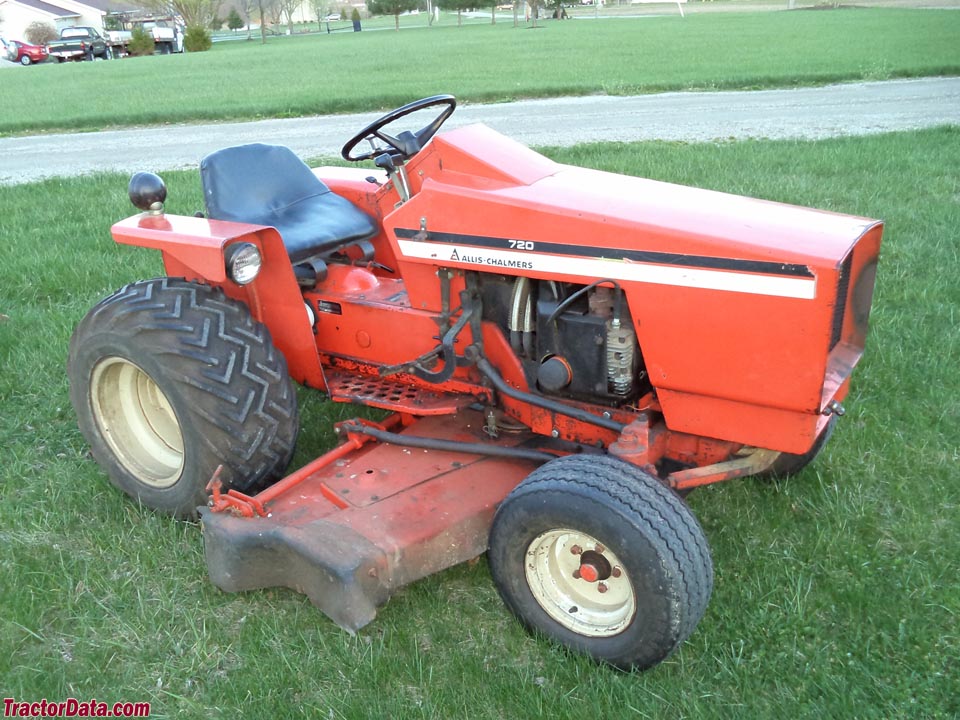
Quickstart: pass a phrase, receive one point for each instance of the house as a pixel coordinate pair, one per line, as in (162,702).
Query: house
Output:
(16,15)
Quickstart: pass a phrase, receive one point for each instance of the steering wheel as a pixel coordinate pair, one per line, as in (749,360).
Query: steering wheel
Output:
(406,144)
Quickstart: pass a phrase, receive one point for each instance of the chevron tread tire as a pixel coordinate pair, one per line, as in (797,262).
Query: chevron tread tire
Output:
(171,379)
(636,526)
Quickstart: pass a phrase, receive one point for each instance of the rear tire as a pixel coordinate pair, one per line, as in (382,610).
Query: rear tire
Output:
(170,379)
(25,60)
(581,522)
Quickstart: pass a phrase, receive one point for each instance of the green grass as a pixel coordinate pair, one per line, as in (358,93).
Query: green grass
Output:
(837,594)
(302,75)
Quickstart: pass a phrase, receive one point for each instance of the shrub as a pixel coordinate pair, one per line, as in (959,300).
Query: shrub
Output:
(234,21)
(355,15)
(40,33)
(141,42)
(197,39)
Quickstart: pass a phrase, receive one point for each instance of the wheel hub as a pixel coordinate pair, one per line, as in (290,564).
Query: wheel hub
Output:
(137,421)
(594,567)
(585,591)
(587,572)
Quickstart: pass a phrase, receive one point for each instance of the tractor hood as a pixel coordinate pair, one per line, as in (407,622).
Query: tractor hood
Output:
(517,194)
(738,303)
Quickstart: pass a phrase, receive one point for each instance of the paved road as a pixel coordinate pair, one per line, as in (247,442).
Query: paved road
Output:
(849,109)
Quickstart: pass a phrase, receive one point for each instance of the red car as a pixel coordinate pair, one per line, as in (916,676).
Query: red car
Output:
(25,54)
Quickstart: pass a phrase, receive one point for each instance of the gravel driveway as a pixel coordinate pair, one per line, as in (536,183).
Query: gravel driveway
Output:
(809,113)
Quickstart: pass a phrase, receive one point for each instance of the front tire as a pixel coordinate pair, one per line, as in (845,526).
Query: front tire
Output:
(25,60)
(170,379)
(602,558)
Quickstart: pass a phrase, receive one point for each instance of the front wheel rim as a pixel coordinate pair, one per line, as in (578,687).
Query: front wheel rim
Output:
(580,583)
(137,421)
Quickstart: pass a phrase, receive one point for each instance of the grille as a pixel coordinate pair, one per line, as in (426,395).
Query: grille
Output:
(840,309)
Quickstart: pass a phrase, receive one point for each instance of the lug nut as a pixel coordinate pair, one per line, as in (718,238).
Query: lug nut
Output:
(601,587)
(616,572)
(576,574)
(600,548)
(576,549)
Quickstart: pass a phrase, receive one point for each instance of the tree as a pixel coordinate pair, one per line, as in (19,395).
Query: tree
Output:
(141,42)
(245,8)
(197,39)
(216,23)
(392,7)
(274,12)
(458,5)
(269,12)
(234,21)
(287,8)
(40,33)
(194,12)
(263,22)
(321,8)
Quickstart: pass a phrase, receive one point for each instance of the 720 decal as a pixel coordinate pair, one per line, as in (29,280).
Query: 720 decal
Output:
(521,244)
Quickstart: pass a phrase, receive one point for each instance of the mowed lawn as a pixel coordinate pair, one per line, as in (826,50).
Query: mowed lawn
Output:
(303,75)
(837,593)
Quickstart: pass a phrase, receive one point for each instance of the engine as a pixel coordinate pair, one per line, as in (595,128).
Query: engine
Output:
(574,341)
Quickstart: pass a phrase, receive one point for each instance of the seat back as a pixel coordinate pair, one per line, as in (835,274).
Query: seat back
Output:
(269,185)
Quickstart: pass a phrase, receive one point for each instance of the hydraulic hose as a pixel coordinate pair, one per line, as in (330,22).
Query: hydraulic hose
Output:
(484,366)
(426,443)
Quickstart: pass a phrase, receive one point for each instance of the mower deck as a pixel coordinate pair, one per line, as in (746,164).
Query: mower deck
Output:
(352,531)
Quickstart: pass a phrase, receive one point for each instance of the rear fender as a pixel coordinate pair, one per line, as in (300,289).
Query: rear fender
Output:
(193,248)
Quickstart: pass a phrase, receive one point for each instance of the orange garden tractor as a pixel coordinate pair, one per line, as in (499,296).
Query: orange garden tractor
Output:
(563,353)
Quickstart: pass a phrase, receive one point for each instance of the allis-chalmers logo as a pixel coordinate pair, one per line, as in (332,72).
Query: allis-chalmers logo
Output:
(456,256)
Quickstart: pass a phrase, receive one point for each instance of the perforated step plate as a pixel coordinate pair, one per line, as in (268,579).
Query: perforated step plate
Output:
(391,395)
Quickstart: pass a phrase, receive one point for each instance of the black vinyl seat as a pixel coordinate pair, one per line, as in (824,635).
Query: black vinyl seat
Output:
(270,185)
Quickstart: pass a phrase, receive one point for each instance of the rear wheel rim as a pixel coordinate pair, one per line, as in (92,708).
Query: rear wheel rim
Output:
(599,602)
(137,421)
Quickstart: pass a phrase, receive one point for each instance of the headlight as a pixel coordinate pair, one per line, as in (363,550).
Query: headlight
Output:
(243,262)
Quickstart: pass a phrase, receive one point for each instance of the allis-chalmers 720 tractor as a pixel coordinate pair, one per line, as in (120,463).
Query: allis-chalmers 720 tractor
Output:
(563,352)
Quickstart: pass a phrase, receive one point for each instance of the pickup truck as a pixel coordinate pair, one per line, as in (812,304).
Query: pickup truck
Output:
(79,43)
(166,34)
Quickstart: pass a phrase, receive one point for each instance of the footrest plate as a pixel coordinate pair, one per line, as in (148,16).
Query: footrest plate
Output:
(392,395)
